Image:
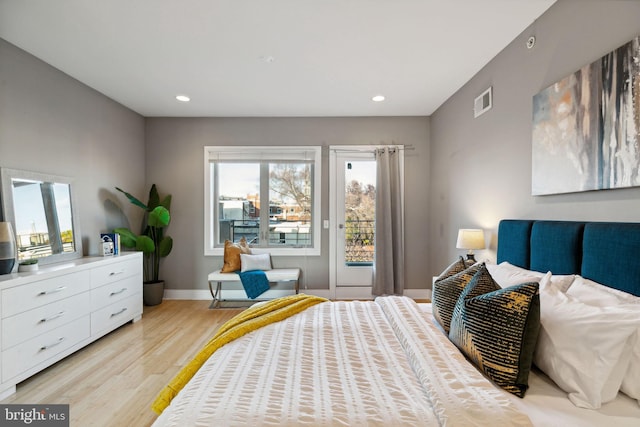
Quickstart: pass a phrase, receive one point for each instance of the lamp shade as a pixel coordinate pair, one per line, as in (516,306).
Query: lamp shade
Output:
(470,238)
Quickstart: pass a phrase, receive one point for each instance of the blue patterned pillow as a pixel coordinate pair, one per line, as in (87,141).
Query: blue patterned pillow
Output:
(454,268)
(497,329)
(446,293)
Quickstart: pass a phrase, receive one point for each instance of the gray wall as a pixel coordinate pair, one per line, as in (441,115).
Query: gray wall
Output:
(175,159)
(51,123)
(481,168)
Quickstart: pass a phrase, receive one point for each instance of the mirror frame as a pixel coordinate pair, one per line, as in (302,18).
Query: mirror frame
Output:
(8,175)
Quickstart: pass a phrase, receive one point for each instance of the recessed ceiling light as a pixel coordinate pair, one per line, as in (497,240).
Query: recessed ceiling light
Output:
(183,98)
(378,98)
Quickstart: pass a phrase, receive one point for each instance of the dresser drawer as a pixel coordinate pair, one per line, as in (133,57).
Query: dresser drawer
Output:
(116,271)
(24,326)
(37,350)
(36,294)
(116,291)
(116,314)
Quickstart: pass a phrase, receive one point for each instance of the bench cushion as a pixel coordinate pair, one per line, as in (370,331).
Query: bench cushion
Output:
(274,275)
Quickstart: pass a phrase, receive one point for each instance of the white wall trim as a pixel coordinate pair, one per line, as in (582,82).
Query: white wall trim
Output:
(204,294)
(190,294)
(350,293)
(332,222)
(353,292)
(420,294)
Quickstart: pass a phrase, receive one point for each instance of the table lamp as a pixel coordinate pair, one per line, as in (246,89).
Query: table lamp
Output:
(470,239)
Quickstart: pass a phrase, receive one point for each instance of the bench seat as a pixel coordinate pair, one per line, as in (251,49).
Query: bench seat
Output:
(225,281)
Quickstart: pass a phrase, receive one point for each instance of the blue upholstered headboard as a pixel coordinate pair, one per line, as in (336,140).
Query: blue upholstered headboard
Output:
(605,252)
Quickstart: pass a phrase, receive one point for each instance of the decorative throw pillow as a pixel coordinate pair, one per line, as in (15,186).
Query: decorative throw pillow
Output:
(255,262)
(232,253)
(454,268)
(446,293)
(497,329)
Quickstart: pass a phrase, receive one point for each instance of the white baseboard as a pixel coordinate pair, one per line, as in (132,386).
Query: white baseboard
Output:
(345,293)
(419,294)
(191,294)
(324,293)
(364,293)
(354,292)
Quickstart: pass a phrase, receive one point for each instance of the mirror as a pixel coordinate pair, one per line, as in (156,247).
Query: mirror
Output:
(44,215)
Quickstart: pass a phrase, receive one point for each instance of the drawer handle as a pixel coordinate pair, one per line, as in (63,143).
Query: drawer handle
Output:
(119,312)
(115,273)
(53,291)
(48,346)
(117,292)
(55,316)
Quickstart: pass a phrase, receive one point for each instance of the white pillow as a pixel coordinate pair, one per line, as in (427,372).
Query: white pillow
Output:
(584,349)
(506,274)
(631,382)
(255,262)
(593,293)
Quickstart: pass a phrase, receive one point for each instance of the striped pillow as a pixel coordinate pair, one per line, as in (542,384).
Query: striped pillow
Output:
(454,268)
(446,293)
(497,329)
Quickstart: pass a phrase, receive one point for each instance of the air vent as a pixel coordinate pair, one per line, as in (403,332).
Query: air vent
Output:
(483,103)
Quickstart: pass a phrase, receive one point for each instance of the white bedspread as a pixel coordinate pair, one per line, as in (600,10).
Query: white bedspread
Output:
(342,364)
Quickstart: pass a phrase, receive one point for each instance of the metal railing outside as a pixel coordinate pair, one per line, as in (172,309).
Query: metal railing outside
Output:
(359,241)
(359,238)
(234,230)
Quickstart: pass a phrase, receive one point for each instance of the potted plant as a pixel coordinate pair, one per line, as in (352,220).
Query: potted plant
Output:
(153,243)
(30,264)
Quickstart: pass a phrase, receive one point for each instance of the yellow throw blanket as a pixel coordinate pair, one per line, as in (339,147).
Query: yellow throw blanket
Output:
(241,324)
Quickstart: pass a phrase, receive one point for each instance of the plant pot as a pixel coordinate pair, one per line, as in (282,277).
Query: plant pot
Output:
(27,267)
(152,293)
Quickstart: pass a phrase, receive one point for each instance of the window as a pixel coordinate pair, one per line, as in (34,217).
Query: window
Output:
(268,195)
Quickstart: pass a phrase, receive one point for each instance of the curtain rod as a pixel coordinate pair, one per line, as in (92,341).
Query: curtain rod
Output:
(367,149)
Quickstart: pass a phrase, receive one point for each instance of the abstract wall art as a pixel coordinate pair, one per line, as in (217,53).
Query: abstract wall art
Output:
(586,127)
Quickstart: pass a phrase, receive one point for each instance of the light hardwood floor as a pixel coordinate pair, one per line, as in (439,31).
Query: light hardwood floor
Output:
(113,381)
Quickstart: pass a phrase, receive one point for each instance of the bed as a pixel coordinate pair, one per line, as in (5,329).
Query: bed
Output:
(388,362)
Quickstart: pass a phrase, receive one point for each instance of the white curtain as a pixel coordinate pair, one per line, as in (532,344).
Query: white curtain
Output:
(388,266)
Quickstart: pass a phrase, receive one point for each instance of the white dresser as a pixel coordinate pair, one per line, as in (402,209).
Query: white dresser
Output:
(50,313)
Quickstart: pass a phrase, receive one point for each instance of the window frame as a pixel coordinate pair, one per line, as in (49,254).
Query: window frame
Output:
(265,154)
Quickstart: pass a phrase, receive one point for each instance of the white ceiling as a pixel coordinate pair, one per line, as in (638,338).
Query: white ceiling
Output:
(269,57)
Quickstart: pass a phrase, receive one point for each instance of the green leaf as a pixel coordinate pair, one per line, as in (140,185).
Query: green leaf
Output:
(151,241)
(154,198)
(165,246)
(166,202)
(133,199)
(159,217)
(145,244)
(127,238)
